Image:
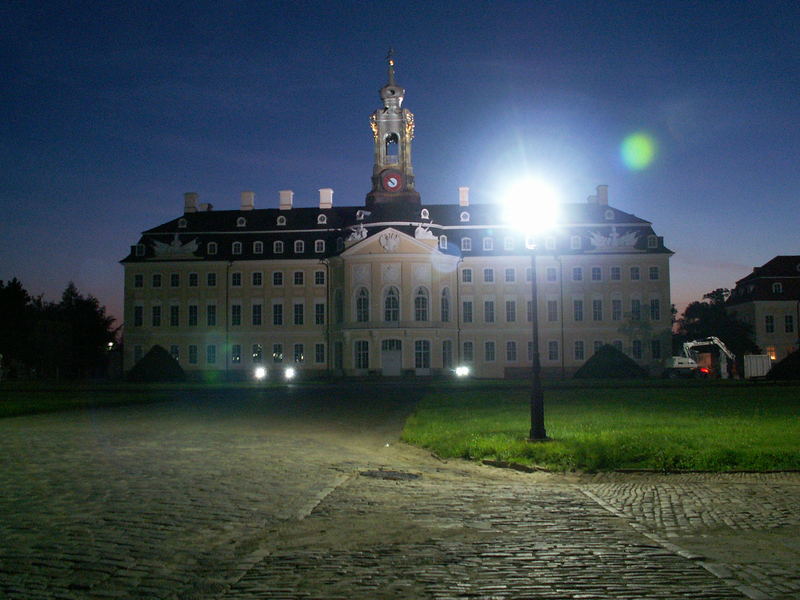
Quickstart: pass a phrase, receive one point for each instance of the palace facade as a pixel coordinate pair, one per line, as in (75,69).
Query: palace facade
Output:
(394,287)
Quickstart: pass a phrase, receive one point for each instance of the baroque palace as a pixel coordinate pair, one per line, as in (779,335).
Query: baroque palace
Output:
(394,287)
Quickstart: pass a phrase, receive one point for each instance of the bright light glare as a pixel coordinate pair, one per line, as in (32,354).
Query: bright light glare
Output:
(462,371)
(289,373)
(531,206)
(260,373)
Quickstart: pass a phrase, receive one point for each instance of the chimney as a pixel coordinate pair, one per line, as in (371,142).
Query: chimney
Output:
(325,198)
(190,202)
(205,207)
(286,199)
(248,201)
(602,195)
(463,196)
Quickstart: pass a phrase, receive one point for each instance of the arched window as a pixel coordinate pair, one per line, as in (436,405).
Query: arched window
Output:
(777,288)
(212,247)
(421,304)
(609,215)
(299,247)
(258,247)
(488,243)
(319,246)
(241,222)
(464,217)
(466,244)
(182,223)
(277,247)
(445,305)
(392,143)
(425,214)
(281,221)
(391,305)
(322,220)
(236,248)
(443,242)
(362,305)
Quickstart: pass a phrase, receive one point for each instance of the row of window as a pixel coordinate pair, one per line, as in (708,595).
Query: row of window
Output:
(278,247)
(236,357)
(488,243)
(256,279)
(788,323)
(551,274)
(422,351)
(236,317)
(242,222)
(596,310)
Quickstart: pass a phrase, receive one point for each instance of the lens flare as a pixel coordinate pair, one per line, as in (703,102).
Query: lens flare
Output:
(638,150)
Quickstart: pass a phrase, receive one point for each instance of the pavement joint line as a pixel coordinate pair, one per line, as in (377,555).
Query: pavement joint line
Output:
(718,570)
(324,493)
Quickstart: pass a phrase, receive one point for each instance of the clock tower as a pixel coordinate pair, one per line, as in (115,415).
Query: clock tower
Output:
(392,131)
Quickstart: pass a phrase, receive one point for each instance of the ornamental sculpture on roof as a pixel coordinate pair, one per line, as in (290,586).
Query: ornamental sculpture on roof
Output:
(614,241)
(175,249)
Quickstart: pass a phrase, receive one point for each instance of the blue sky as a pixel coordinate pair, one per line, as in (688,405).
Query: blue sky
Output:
(113,110)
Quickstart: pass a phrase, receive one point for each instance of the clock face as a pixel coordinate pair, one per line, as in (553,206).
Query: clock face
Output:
(392,181)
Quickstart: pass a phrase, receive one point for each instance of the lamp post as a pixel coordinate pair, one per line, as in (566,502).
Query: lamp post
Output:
(537,433)
(532,207)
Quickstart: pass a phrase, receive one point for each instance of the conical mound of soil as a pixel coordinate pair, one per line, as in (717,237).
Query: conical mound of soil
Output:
(157,365)
(788,368)
(608,362)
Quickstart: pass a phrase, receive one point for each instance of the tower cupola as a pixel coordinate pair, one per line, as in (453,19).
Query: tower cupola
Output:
(392,131)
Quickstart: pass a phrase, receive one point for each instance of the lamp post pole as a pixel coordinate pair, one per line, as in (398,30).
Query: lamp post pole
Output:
(537,433)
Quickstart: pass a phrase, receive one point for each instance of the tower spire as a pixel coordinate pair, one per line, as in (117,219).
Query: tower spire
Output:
(390,59)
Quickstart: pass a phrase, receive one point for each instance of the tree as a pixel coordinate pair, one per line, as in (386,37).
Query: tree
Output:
(16,322)
(708,318)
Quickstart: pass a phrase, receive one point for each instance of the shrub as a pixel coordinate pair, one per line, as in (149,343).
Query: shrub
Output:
(608,362)
(157,365)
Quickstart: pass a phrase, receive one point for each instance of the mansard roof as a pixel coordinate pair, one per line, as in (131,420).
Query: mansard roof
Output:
(760,285)
(590,221)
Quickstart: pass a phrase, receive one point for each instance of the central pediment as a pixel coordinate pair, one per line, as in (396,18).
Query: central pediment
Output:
(392,241)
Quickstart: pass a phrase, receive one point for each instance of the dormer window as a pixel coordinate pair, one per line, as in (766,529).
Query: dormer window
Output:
(139,249)
(652,241)
(212,248)
(281,221)
(575,242)
(241,222)
(322,220)
(258,247)
(777,288)
(466,244)
(464,217)
(182,223)
(488,243)
(508,243)
(277,247)
(550,243)
(609,215)
(299,247)
(443,242)
(424,214)
(319,246)
(359,215)
(236,248)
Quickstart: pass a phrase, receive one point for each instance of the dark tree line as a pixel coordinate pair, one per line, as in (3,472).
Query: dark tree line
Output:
(40,339)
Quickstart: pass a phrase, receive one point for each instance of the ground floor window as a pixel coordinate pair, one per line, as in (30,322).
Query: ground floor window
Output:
(489,351)
(579,350)
(447,354)
(636,349)
(469,352)
(192,354)
(298,353)
(258,353)
(211,354)
(277,353)
(236,353)
(362,354)
(174,352)
(655,349)
(552,350)
(319,353)
(511,351)
(137,353)
(422,354)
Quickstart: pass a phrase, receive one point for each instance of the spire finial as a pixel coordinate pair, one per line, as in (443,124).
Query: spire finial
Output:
(390,58)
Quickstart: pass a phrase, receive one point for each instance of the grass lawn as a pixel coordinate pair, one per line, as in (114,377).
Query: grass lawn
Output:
(718,426)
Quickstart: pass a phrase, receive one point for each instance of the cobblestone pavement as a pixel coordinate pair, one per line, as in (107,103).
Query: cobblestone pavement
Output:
(245,496)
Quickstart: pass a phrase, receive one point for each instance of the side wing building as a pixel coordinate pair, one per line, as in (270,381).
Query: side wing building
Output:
(394,286)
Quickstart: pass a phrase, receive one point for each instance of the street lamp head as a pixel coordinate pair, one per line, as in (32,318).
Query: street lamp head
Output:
(531,206)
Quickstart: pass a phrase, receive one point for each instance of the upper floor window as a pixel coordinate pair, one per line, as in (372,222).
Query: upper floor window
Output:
(635,274)
(777,288)
(258,247)
(277,247)
(445,305)
(653,273)
(424,214)
(299,246)
(241,222)
(508,243)
(551,274)
(609,214)
(488,243)
(237,248)
(319,277)
(182,223)
(212,247)
(421,305)
(362,306)
(575,242)
(138,280)
(281,221)
(319,246)
(464,217)
(391,305)
(156,280)
(577,274)
(652,241)
(616,273)
(511,275)
(550,243)
(322,219)
(488,275)
(466,244)
(466,275)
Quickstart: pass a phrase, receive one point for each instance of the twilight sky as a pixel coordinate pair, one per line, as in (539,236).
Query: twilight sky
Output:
(112,110)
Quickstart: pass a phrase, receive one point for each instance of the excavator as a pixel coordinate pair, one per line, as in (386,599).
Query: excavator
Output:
(687,365)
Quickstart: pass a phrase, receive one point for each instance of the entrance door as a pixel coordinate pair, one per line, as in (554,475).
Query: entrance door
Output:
(391,358)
